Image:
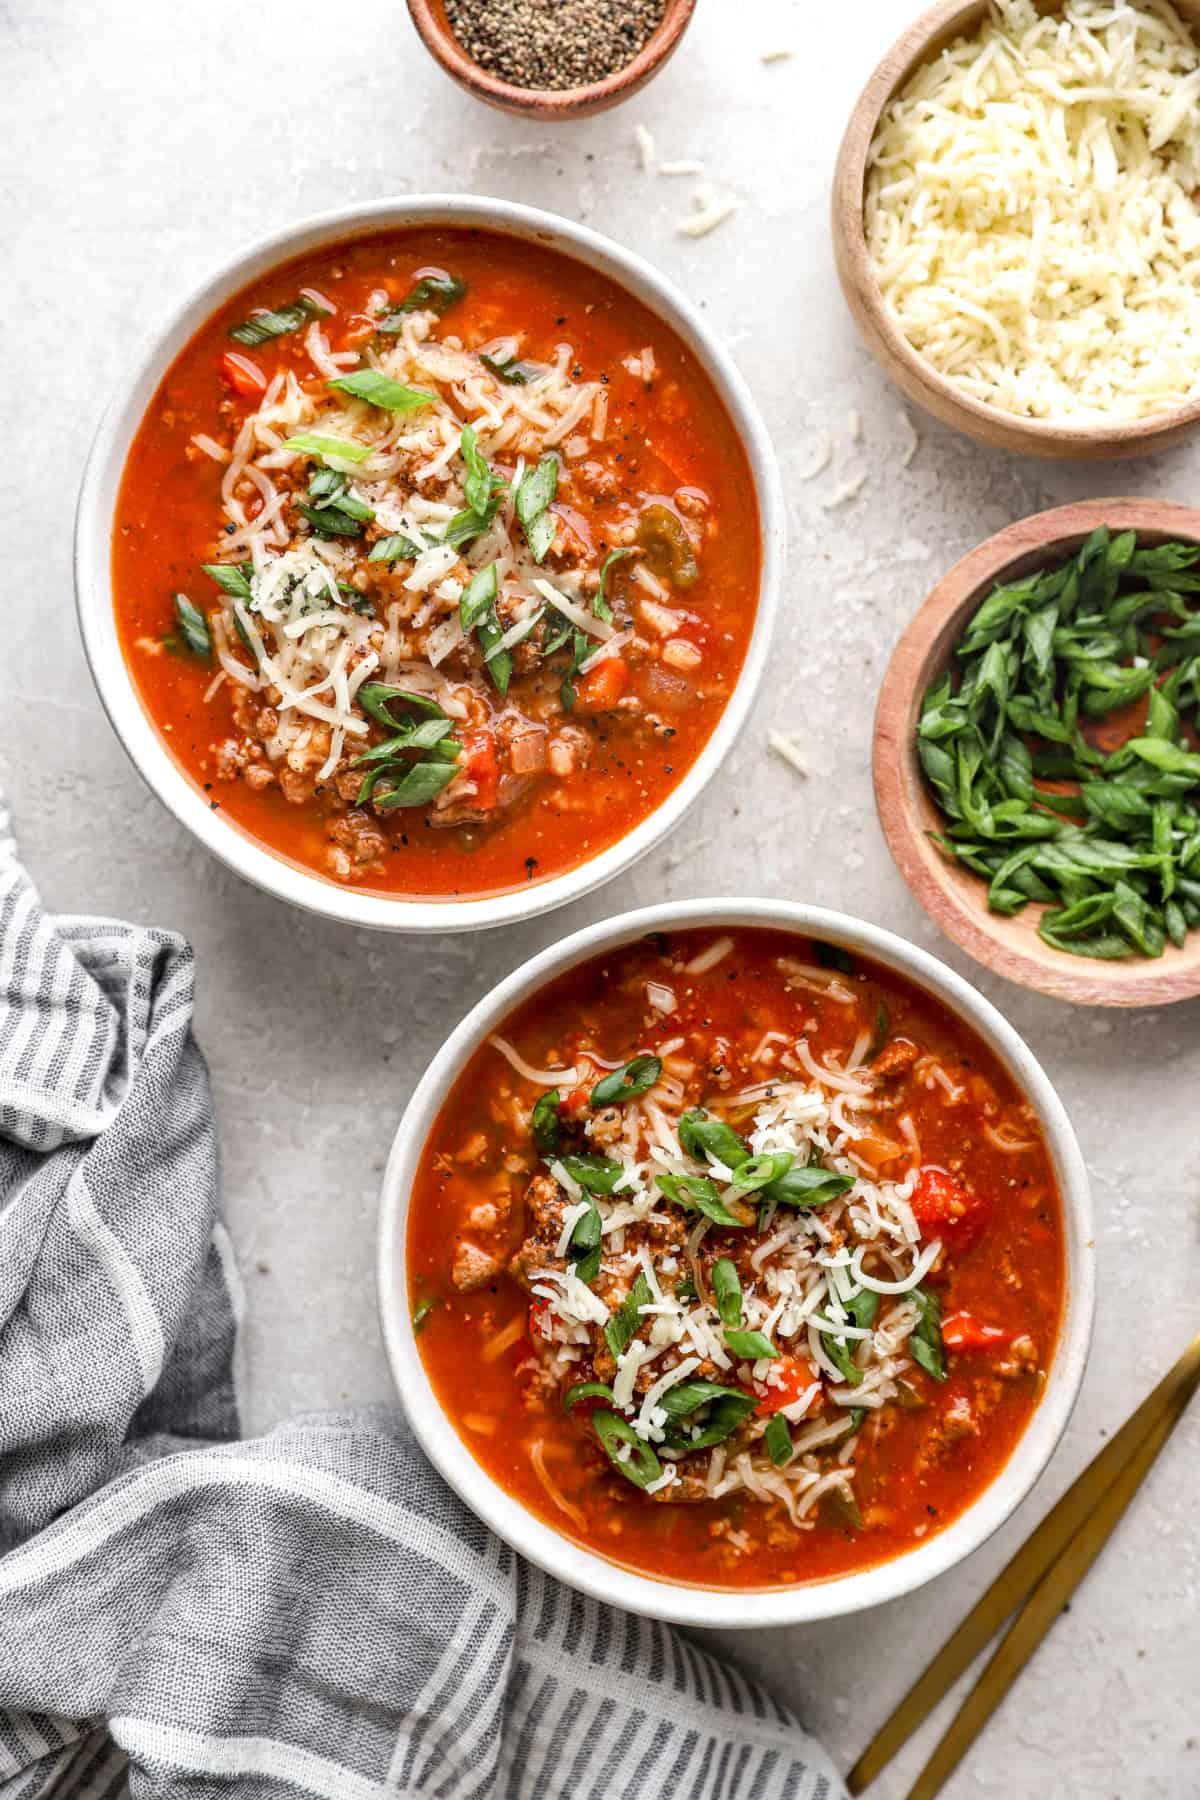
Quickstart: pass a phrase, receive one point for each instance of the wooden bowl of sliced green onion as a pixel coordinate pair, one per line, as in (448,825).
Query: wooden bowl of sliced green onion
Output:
(1037,753)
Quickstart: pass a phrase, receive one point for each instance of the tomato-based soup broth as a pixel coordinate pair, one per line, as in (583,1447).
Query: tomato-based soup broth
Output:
(436,559)
(737,1259)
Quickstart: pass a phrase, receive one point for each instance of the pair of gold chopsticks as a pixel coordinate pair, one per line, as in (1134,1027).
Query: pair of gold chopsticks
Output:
(1038,1581)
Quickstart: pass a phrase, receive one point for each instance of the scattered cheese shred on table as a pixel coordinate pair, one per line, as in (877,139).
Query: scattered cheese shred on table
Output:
(850,489)
(1031,212)
(709,209)
(823,456)
(912,441)
(681,168)
(644,141)
(785,744)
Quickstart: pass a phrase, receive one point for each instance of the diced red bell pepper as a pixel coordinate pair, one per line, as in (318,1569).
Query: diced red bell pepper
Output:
(599,690)
(963,1331)
(796,1375)
(482,766)
(944,1207)
(243,376)
(577,1099)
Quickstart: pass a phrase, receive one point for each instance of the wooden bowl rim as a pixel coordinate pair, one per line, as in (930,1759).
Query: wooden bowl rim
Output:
(900,792)
(429,17)
(910,49)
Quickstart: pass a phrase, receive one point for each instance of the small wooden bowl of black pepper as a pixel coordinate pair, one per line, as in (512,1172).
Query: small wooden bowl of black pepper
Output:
(551,59)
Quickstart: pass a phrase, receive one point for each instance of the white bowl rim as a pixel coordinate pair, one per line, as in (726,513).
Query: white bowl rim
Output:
(752,1608)
(92,559)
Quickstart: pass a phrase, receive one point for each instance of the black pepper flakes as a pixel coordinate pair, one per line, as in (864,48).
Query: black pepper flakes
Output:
(554,44)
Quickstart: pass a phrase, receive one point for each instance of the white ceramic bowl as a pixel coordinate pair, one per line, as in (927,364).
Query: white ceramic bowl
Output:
(695,1605)
(93,586)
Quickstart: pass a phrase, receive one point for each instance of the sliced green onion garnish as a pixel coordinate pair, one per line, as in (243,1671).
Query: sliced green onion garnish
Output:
(759,1171)
(477,612)
(728,1291)
(696,1193)
(375,697)
(600,605)
(497,661)
(598,1174)
(337,499)
(422,783)
(627,1083)
(261,326)
(545,1124)
(244,635)
(508,369)
(862,1307)
(751,1345)
(584,1248)
(840,1352)
(725,1414)
(325,486)
(391,780)
(1104,858)
(433,293)
(701,1136)
(478,595)
(806,1188)
(395,548)
(234,578)
(468,524)
(588,1266)
(778,1440)
(194,627)
(686,1396)
(380,390)
(331,509)
(481,484)
(331,521)
(623,1324)
(316,443)
(925,1341)
(428,734)
(535,491)
(516,634)
(587,1390)
(641,1466)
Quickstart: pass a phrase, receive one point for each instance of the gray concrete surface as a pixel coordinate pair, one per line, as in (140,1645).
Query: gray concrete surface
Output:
(142,143)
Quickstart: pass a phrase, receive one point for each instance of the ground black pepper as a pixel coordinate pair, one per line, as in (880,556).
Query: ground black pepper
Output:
(555,44)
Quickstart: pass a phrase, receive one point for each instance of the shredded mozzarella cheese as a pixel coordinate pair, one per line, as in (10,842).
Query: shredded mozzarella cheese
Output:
(1030,210)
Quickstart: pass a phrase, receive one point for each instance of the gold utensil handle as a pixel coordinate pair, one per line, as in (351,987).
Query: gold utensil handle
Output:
(1043,1607)
(1075,1520)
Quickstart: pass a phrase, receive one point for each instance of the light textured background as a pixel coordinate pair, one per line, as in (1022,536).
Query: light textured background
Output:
(145,142)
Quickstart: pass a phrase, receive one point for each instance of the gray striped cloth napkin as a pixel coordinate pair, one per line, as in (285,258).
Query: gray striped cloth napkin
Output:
(184,1614)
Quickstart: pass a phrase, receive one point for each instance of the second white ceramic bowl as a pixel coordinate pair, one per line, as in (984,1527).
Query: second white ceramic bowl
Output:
(594,1574)
(93,578)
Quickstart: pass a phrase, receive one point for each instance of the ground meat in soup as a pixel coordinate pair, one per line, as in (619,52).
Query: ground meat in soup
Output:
(437,574)
(661,1346)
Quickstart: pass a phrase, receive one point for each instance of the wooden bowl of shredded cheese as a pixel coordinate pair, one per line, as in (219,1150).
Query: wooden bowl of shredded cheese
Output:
(1016,221)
